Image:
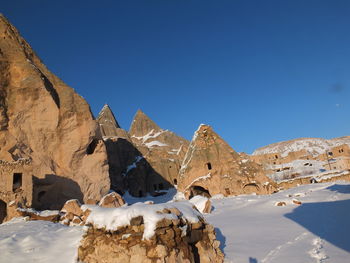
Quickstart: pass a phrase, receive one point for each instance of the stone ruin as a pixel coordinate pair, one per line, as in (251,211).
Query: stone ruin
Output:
(15,185)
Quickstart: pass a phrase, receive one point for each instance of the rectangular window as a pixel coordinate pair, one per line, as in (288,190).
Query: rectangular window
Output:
(17,181)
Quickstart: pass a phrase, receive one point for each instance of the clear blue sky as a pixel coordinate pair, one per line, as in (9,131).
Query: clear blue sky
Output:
(257,71)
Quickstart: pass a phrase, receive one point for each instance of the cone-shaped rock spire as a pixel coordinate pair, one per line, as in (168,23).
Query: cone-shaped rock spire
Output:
(142,124)
(212,167)
(107,121)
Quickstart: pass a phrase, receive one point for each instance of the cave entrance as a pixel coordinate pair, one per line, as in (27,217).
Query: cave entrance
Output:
(3,211)
(17,182)
(198,190)
(251,188)
(209,166)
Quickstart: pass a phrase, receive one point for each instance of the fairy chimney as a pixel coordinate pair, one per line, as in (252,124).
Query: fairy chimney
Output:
(212,167)
(47,122)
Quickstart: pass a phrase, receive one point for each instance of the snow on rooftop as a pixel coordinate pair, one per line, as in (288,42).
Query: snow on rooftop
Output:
(113,218)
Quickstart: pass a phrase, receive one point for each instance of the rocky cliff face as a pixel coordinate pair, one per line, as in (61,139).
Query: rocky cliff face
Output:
(44,120)
(163,149)
(212,167)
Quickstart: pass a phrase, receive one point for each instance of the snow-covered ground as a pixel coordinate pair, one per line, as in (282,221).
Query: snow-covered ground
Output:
(251,229)
(38,242)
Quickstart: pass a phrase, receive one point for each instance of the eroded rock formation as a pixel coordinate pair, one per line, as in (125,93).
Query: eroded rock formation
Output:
(212,167)
(163,150)
(47,122)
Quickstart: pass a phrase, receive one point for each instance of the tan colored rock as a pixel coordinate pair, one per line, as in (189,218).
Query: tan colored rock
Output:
(73,207)
(212,167)
(45,121)
(280,204)
(296,201)
(112,200)
(162,150)
(169,244)
(207,208)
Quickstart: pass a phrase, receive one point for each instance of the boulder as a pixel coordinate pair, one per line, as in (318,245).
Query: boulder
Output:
(112,200)
(73,207)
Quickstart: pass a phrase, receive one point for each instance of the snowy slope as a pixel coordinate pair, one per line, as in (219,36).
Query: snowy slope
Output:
(252,229)
(314,146)
(38,241)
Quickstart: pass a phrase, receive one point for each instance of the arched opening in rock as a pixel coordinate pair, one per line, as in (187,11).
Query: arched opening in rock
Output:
(3,211)
(17,182)
(198,190)
(92,146)
(209,166)
(251,188)
(41,195)
(175,181)
(313,181)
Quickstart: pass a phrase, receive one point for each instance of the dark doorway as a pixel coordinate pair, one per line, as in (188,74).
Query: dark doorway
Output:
(175,181)
(209,166)
(140,193)
(92,146)
(17,182)
(161,187)
(198,190)
(3,211)
(41,195)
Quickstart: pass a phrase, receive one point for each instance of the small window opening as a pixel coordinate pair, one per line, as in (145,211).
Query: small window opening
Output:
(41,195)
(161,187)
(330,153)
(92,146)
(17,181)
(276,156)
(175,181)
(209,166)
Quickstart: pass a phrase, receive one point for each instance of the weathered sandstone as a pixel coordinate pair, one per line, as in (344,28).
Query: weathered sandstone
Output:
(46,122)
(212,167)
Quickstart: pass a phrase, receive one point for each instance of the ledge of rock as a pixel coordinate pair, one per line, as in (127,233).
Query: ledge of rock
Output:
(172,232)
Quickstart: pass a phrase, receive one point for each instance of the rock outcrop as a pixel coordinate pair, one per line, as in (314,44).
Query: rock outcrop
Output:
(212,167)
(47,122)
(175,238)
(120,150)
(162,149)
(108,123)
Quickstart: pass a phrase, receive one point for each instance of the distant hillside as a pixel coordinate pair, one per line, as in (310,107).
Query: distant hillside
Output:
(314,146)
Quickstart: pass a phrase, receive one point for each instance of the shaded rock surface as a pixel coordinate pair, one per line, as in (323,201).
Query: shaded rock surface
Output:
(44,120)
(212,167)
